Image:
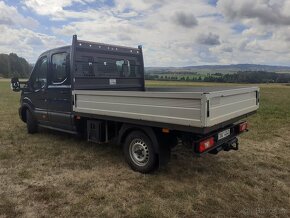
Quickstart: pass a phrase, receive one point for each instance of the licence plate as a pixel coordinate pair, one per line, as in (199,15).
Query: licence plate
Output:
(224,134)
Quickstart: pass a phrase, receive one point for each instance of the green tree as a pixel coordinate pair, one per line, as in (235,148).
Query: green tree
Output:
(13,66)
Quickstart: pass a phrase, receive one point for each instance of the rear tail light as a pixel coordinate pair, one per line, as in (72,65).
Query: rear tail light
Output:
(206,144)
(243,127)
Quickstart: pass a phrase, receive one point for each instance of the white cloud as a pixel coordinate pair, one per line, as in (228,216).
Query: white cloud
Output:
(173,33)
(10,16)
(25,42)
(56,9)
(157,28)
(18,34)
(266,12)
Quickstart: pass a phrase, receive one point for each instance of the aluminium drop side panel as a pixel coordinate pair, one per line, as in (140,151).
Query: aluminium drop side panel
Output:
(226,105)
(188,109)
(180,108)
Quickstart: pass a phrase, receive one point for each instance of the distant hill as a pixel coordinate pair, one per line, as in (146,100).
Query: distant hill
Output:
(11,65)
(226,69)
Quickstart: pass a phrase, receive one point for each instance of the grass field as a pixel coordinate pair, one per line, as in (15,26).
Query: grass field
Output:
(53,174)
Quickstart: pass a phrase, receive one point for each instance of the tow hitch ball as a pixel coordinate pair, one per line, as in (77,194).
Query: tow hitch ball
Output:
(232,145)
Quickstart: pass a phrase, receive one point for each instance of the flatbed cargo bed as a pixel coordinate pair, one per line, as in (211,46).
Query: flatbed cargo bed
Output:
(197,107)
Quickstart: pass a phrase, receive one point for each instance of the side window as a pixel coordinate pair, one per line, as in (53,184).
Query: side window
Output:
(108,67)
(120,65)
(39,77)
(123,68)
(134,69)
(116,68)
(59,68)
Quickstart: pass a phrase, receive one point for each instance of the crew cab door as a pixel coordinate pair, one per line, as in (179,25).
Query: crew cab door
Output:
(36,93)
(59,98)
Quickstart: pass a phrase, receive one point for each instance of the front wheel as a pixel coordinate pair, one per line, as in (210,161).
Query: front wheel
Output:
(139,152)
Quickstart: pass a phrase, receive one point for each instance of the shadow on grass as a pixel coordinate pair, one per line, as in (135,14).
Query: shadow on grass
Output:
(182,163)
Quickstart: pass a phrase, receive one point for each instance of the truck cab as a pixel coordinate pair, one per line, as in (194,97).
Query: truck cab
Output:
(47,94)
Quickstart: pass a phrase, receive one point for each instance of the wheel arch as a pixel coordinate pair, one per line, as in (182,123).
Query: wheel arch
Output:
(22,111)
(126,129)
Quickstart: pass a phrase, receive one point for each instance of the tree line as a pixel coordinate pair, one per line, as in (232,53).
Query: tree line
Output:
(11,65)
(239,77)
(250,77)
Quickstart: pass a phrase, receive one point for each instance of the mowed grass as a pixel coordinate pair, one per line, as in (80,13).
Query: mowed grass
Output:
(52,174)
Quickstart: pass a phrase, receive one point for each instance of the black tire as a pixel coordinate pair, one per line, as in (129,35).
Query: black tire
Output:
(31,123)
(137,143)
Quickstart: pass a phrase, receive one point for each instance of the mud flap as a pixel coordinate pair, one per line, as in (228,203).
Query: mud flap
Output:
(164,155)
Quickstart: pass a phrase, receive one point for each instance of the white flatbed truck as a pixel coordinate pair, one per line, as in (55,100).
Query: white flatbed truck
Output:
(98,91)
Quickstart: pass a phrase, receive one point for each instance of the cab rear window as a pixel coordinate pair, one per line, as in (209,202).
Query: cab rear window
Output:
(105,67)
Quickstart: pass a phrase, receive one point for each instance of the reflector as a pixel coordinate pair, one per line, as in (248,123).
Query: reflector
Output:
(243,127)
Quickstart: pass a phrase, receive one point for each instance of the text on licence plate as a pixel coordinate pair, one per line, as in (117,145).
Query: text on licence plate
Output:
(224,134)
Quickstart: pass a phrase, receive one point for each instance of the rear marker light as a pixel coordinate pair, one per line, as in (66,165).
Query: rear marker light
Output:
(165,130)
(206,144)
(243,127)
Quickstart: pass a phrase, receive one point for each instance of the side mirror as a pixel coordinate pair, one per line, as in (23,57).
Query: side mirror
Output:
(15,84)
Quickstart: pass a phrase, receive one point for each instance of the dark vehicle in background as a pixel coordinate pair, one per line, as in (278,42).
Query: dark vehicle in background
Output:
(98,91)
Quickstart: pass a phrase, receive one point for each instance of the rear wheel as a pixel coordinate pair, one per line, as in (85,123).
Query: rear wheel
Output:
(139,152)
(31,123)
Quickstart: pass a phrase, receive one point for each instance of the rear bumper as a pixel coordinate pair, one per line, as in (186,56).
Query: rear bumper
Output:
(229,143)
(232,144)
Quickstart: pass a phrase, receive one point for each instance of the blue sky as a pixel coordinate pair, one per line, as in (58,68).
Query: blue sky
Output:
(173,33)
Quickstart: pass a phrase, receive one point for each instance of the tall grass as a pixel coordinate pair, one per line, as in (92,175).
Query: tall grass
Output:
(52,174)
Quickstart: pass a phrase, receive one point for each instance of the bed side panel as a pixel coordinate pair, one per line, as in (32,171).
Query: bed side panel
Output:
(224,106)
(157,107)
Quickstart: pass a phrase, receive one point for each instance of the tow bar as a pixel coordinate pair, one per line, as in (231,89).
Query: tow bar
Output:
(231,145)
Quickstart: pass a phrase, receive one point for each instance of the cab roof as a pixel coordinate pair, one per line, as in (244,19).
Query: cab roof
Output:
(56,49)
